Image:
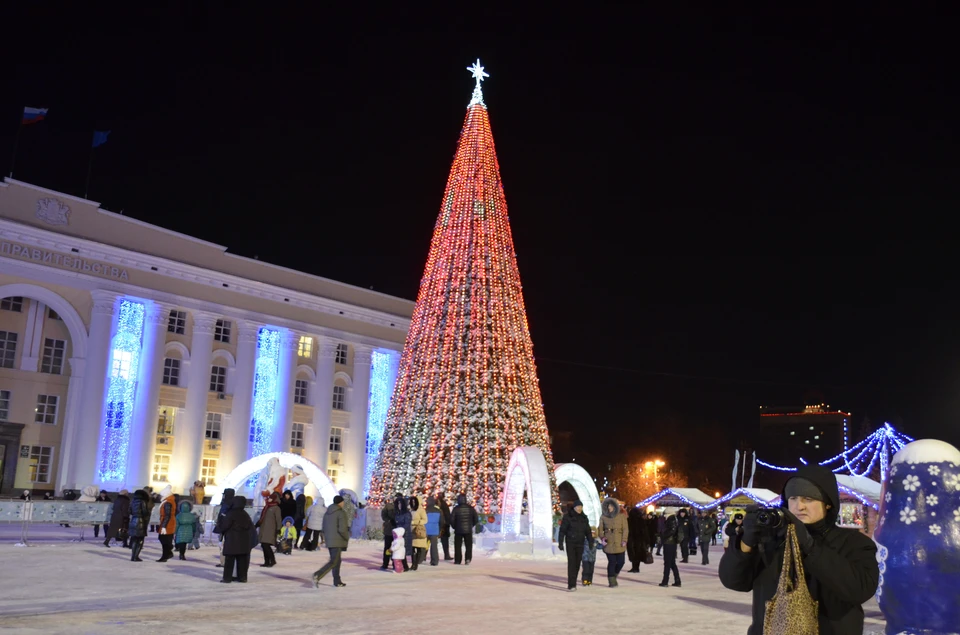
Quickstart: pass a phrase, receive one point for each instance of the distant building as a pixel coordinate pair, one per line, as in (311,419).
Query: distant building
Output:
(813,433)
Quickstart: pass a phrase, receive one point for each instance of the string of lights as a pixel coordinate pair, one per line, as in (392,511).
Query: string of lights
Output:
(380,372)
(879,446)
(466,393)
(121,392)
(266,374)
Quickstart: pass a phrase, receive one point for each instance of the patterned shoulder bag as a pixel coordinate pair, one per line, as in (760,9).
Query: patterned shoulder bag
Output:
(792,611)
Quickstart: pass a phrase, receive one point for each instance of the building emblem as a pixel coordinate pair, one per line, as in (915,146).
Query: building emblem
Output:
(53,212)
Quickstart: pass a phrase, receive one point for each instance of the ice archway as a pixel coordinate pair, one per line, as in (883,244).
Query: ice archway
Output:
(527,472)
(239,475)
(584,486)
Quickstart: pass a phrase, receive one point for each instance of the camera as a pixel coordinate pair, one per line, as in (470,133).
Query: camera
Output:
(770,518)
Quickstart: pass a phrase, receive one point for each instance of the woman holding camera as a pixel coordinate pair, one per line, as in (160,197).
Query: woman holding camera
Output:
(840,564)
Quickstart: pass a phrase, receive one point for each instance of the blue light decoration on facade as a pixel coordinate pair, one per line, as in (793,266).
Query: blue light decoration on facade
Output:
(265,382)
(380,391)
(121,392)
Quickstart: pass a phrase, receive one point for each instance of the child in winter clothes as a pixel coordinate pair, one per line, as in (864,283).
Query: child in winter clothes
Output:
(188,525)
(288,536)
(589,557)
(398,550)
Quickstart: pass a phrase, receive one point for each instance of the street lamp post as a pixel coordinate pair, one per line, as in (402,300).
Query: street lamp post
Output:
(655,465)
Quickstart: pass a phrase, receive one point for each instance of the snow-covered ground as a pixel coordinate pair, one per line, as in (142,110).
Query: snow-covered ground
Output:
(59,586)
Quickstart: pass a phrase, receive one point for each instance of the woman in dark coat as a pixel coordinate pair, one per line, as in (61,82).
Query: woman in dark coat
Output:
(139,520)
(119,519)
(403,519)
(639,542)
(102,497)
(269,526)
(237,531)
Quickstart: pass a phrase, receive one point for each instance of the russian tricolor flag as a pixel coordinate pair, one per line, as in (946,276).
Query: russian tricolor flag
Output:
(33,115)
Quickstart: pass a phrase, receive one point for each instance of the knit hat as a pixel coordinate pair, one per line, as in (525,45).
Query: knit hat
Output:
(578,503)
(798,486)
(337,499)
(166,492)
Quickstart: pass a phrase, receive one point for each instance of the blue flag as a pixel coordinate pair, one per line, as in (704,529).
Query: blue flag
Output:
(100,137)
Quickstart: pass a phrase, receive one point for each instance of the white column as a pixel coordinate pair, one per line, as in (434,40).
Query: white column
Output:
(74,400)
(286,375)
(236,432)
(143,435)
(190,424)
(317,440)
(79,466)
(33,336)
(356,441)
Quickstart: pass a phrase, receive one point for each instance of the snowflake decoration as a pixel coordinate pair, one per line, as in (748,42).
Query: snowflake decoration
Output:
(935,530)
(911,483)
(934,470)
(932,500)
(951,480)
(908,515)
(893,471)
(956,515)
(888,497)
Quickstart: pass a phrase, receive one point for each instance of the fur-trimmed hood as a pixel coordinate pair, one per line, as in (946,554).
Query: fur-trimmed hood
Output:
(606,507)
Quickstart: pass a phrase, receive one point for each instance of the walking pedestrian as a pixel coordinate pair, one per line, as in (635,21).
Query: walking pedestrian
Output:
(574,534)
(336,531)
(670,537)
(614,534)
(119,526)
(708,530)
(168,522)
(269,526)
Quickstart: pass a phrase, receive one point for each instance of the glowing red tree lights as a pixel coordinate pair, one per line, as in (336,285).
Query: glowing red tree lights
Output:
(467,392)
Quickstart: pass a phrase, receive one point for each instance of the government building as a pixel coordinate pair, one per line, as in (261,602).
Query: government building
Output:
(134,355)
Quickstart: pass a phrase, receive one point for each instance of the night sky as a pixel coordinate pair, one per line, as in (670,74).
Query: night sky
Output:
(712,211)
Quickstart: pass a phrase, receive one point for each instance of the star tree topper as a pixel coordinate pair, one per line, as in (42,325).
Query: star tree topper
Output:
(479,75)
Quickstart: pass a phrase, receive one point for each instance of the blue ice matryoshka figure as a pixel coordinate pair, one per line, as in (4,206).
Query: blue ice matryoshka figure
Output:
(918,540)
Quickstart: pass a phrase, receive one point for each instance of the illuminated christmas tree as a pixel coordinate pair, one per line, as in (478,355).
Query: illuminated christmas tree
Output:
(467,392)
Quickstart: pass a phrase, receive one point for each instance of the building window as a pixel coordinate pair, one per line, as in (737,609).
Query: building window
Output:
(341,354)
(53,352)
(40,458)
(161,467)
(305,348)
(208,471)
(339,398)
(333,474)
(300,392)
(171,371)
(336,436)
(177,322)
(8,349)
(218,378)
(4,405)
(214,420)
(296,437)
(13,303)
(164,424)
(53,315)
(221,332)
(46,410)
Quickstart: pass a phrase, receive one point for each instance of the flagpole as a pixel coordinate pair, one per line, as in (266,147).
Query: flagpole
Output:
(86,188)
(16,142)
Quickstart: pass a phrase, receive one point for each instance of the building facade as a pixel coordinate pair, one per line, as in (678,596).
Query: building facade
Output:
(134,355)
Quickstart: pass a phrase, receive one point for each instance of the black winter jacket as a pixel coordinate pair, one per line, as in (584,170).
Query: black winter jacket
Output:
(671,531)
(464,517)
(841,568)
(574,529)
(236,527)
